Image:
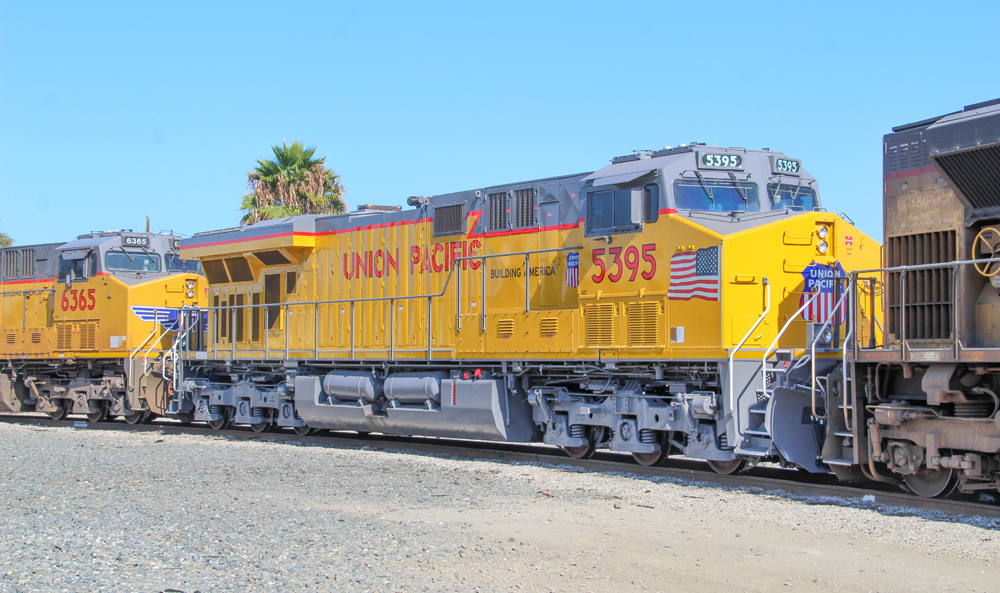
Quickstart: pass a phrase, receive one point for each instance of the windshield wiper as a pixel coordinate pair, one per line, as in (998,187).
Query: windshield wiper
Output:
(739,188)
(706,187)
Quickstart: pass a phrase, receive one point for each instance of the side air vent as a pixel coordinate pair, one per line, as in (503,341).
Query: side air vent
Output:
(88,336)
(36,337)
(642,324)
(64,336)
(496,205)
(505,328)
(549,327)
(11,338)
(927,293)
(523,208)
(599,324)
(975,173)
(449,220)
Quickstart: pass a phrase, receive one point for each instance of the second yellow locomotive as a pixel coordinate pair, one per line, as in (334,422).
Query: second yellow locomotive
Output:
(87,326)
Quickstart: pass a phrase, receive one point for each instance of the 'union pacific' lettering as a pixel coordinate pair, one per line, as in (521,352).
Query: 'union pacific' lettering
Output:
(441,257)
(370,264)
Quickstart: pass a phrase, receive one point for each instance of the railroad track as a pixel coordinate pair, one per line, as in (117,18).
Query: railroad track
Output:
(762,478)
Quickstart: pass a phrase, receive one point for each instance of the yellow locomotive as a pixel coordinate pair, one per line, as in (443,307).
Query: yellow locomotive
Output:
(677,299)
(86,327)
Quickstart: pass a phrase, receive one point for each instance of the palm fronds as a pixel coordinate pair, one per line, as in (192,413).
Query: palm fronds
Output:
(291,183)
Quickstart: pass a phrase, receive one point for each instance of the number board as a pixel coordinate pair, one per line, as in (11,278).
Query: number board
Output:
(711,160)
(783,166)
(130,241)
(176,243)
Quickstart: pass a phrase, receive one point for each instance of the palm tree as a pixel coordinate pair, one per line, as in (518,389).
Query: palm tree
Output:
(291,183)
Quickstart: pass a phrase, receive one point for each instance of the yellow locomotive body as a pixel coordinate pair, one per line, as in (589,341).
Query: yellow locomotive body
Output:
(590,305)
(85,324)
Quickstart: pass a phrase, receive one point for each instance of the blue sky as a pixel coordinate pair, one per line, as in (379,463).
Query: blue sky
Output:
(111,112)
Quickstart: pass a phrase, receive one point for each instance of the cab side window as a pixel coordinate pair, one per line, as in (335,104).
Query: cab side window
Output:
(614,211)
(78,269)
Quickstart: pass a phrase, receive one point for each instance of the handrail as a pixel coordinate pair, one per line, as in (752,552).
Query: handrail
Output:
(816,336)
(847,340)
(949,264)
(771,348)
(733,407)
(392,300)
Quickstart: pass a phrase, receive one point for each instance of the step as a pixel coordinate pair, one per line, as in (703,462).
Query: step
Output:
(841,407)
(753,452)
(838,461)
(757,433)
(843,433)
(760,411)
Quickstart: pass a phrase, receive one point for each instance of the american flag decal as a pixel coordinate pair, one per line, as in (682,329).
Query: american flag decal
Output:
(822,307)
(694,275)
(573,269)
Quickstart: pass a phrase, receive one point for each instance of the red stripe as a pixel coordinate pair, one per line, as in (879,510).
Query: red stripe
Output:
(9,282)
(911,172)
(669,211)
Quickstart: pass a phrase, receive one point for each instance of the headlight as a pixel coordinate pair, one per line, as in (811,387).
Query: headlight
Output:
(826,336)
(823,247)
(190,283)
(823,231)
(190,294)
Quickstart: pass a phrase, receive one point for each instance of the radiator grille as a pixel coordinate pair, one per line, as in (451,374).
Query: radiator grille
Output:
(88,336)
(549,326)
(976,175)
(523,208)
(642,324)
(18,263)
(449,220)
(600,320)
(505,328)
(64,336)
(928,293)
(497,206)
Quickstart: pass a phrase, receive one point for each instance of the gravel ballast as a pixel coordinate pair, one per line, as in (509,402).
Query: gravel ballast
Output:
(88,510)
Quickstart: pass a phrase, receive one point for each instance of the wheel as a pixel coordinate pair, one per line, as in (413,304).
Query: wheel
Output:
(135,417)
(100,415)
(581,452)
(59,414)
(261,426)
(656,457)
(932,484)
(585,451)
(220,424)
(727,467)
(302,431)
(988,268)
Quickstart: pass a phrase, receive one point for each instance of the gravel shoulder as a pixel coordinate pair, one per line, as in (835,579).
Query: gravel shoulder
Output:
(86,510)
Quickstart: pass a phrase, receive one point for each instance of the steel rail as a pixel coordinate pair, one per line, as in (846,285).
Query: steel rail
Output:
(764,479)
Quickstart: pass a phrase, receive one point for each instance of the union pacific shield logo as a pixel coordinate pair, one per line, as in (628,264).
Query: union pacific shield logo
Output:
(165,316)
(820,278)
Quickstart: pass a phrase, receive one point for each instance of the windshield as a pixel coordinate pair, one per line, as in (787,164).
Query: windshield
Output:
(119,261)
(176,264)
(715,195)
(793,197)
